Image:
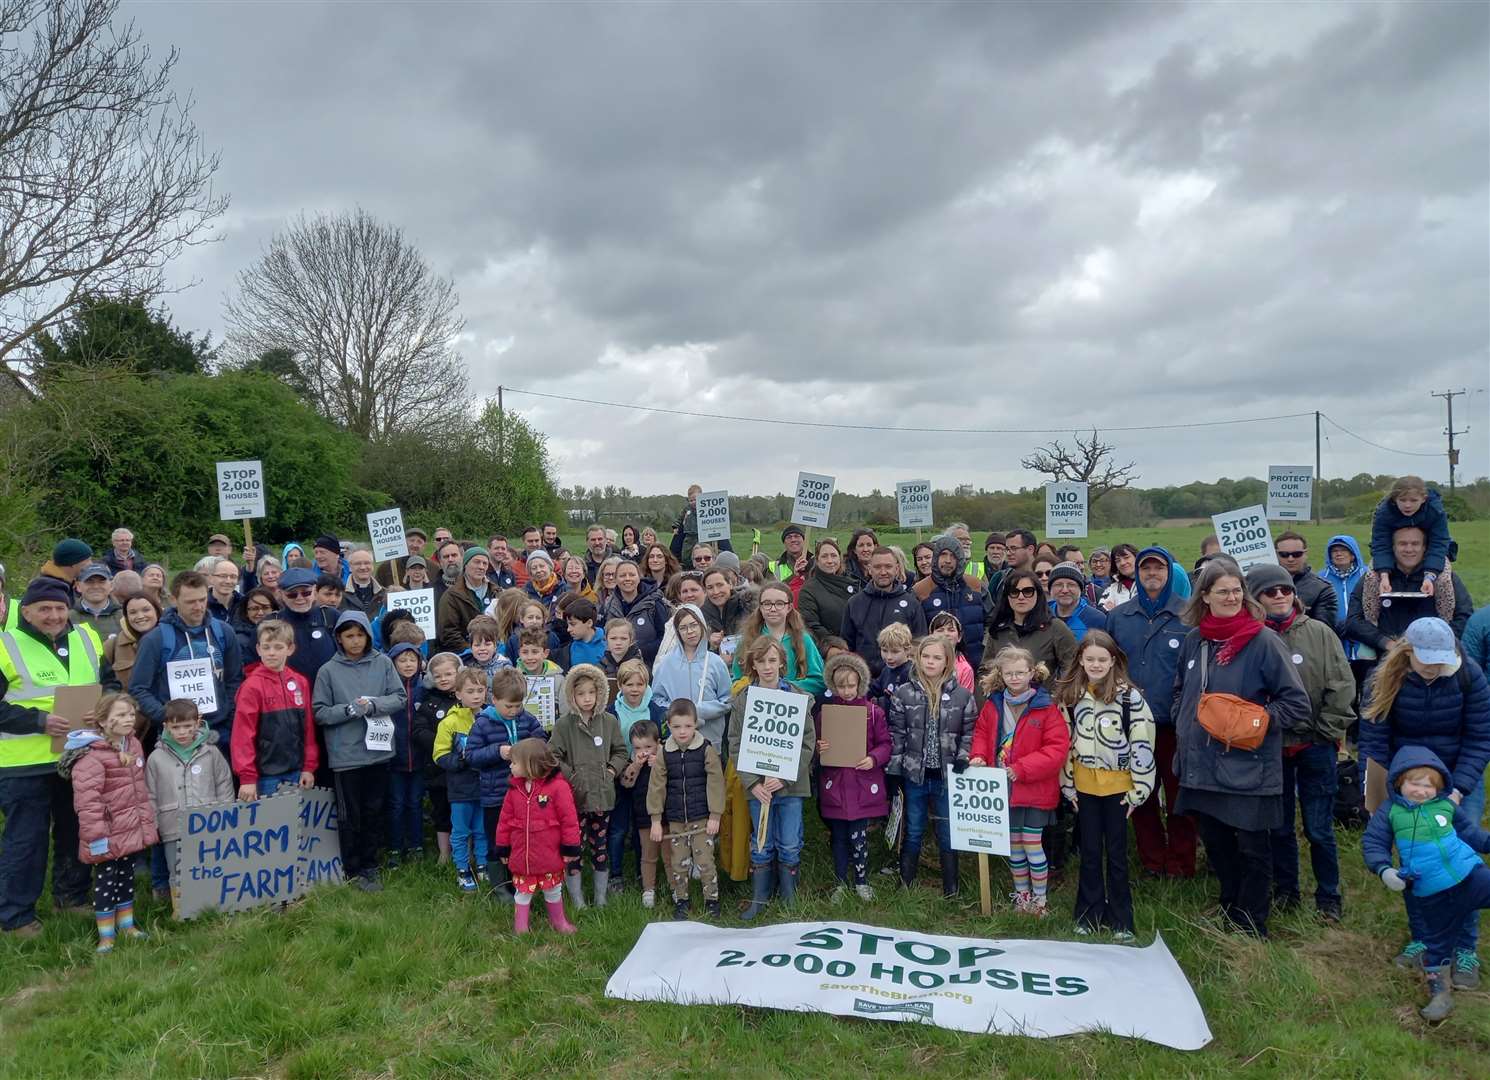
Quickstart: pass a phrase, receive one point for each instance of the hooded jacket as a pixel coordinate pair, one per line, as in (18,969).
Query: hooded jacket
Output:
(960,593)
(341,682)
(845,793)
(539,827)
(1037,752)
(872,610)
(703,680)
(822,601)
(1326,675)
(462,780)
(1430,517)
(591,752)
(908,720)
(433,707)
(275,731)
(405,759)
(173,640)
(1437,841)
(1450,716)
(1084,616)
(1152,643)
(115,815)
(648,613)
(1343,584)
(489,734)
(200,779)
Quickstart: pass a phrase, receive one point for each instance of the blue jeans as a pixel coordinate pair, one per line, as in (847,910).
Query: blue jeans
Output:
(467,832)
(268,785)
(1469,932)
(1311,773)
(33,807)
(406,811)
(927,797)
(622,831)
(783,831)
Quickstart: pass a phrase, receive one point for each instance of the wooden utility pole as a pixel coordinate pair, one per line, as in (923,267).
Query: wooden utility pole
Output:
(1448,397)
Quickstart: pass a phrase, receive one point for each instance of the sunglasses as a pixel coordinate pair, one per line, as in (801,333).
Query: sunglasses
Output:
(299,593)
(1299,554)
(1275,591)
(1025,592)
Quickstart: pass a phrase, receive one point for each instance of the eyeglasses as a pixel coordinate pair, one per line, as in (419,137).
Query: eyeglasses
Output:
(1026,592)
(1299,554)
(259,607)
(1225,594)
(1043,575)
(299,593)
(774,603)
(1276,591)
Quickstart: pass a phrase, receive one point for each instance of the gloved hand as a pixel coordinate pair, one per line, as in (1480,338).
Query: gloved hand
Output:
(1393,880)
(959,766)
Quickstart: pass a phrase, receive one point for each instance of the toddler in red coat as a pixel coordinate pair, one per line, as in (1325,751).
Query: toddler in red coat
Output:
(1021,730)
(536,832)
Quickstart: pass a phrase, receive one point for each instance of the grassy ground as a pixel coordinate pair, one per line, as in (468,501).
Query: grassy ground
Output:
(421,981)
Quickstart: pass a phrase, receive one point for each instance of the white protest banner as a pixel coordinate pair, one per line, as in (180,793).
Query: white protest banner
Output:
(813,500)
(712,511)
(978,801)
(386,528)
(913,501)
(1065,510)
(193,679)
(379,733)
(1039,989)
(240,490)
(542,699)
(771,741)
(418,602)
(1290,492)
(1245,536)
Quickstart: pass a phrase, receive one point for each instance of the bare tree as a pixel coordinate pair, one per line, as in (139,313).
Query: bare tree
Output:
(1090,462)
(103,179)
(370,324)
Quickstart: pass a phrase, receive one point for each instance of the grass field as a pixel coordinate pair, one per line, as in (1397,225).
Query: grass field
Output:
(421,981)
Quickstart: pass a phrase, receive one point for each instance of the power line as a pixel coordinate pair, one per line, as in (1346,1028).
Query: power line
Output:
(909,430)
(1368,442)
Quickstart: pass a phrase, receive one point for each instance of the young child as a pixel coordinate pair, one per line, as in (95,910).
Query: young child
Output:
(357,694)
(850,797)
(1446,884)
(329,592)
(462,780)
(949,626)
(895,650)
(763,664)
(686,789)
(406,776)
(274,730)
(1023,732)
(116,819)
(438,700)
(1410,503)
(498,728)
(1108,775)
(532,615)
(645,737)
(533,662)
(537,832)
(591,753)
(620,646)
(186,769)
(586,644)
(633,703)
(483,635)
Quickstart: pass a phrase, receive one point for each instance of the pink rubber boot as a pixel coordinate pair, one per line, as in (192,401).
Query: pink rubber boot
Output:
(520,918)
(556,916)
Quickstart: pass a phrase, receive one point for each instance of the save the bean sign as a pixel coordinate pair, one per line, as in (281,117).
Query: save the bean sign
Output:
(813,500)
(1245,536)
(712,509)
(913,502)
(386,528)
(240,490)
(193,679)
(771,741)
(1065,510)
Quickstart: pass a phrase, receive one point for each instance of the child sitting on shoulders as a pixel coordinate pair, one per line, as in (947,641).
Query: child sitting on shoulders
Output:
(1410,504)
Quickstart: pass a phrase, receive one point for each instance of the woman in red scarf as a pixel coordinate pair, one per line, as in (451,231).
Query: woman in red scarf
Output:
(1235,795)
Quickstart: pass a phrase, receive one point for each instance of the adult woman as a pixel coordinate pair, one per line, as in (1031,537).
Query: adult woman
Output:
(141,614)
(825,594)
(777,617)
(269,571)
(725,607)
(258,605)
(544,585)
(293,557)
(1022,617)
(631,543)
(1043,565)
(1124,577)
(573,573)
(861,544)
(605,580)
(646,611)
(658,566)
(1235,795)
(1099,567)
(649,537)
(922,554)
(686,587)
(153,583)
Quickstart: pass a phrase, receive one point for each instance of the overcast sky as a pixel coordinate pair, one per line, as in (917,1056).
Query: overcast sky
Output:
(942,216)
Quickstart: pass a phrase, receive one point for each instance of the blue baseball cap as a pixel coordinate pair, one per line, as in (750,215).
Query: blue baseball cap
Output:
(1432,641)
(296,577)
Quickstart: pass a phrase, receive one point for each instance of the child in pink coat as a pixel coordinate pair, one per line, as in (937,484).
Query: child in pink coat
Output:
(852,796)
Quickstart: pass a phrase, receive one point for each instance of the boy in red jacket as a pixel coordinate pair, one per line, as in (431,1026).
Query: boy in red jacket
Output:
(274,730)
(537,831)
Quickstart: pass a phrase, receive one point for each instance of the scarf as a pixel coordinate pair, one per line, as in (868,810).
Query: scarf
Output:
(1153,605)
(629,716)
(1281,623)
(1233,633)
(184,752)
(541,590)
(1011,720)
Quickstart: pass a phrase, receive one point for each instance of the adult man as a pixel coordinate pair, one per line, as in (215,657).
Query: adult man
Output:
(959,531)
(950,588)
(68,559)
(597,550)
(1378,621)
(532,541)
(313,623)
(1069,604)
(327,556)
(447,556)
(1148,628)
(363,591)
(442,536)
(1308,753)
(794,560)
(685,529)
(95,604)
(125,584)
(703,556)
(220,546)
(463,601)
(189,632)
(223,600)
(391,571)
(883,601)
(502,574)
(993,557)
(122,554)
(551,542)
(1314,592)
(1019,549)
(1072,554)
(44,651)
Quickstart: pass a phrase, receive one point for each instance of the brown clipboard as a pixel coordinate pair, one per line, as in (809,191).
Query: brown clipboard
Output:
(846,729)
(76,703)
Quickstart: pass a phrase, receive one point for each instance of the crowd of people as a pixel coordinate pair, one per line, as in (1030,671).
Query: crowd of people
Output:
(583,708)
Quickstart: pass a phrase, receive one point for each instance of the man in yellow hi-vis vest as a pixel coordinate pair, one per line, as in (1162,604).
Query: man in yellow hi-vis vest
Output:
(44,650)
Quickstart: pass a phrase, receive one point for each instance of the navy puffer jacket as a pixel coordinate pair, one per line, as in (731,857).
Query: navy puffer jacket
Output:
(960,593)
(1450,716)
(488,735)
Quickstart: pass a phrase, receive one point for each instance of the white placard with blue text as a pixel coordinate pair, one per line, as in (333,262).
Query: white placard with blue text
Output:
(1245,536)
(420,603)
(771,738)
(978,810)
(386,528)
(813,500)
(1065,510)
(1290,492)
(913,503)
(712,511)
(240,490)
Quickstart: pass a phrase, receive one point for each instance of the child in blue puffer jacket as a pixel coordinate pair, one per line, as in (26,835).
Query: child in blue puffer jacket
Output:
(498,728)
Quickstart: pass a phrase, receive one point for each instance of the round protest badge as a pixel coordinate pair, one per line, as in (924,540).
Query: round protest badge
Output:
(1191,664)
(641,622)
(905,603)
(599,740)
(1298,658)
(316,634)
(439,714)
(290,685)
(1386,601)
(850,588)
(62,650)
(874,789)
(1174,643)
(196,770)
(936,601)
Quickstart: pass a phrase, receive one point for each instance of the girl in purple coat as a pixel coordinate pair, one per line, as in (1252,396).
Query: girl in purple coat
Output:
(849,797)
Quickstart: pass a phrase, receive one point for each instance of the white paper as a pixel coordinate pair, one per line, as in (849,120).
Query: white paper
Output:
(240,490)
(386,528)
(1065,510)
(813,501)
(771,739)
(1290,492)
(379,733)
(712,511)
(978,810)
(913,503)
(541,700)
(193,679)
(420,603)
(1245,536)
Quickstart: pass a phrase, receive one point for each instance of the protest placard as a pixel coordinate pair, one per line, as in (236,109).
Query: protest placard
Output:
(913,503)
(1065,510)
(318,850)
(76,704)
(1290,492)
(978,810)
(542,699)
(418,602)
(845,728)
(235,856)
(813,501)
(1035,989)
(379,737)
(240,490)
(771,740)
(712,511)
(193,679)
(386,528)
(1245,536)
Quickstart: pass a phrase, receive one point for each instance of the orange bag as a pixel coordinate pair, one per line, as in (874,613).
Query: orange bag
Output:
(1237,723)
